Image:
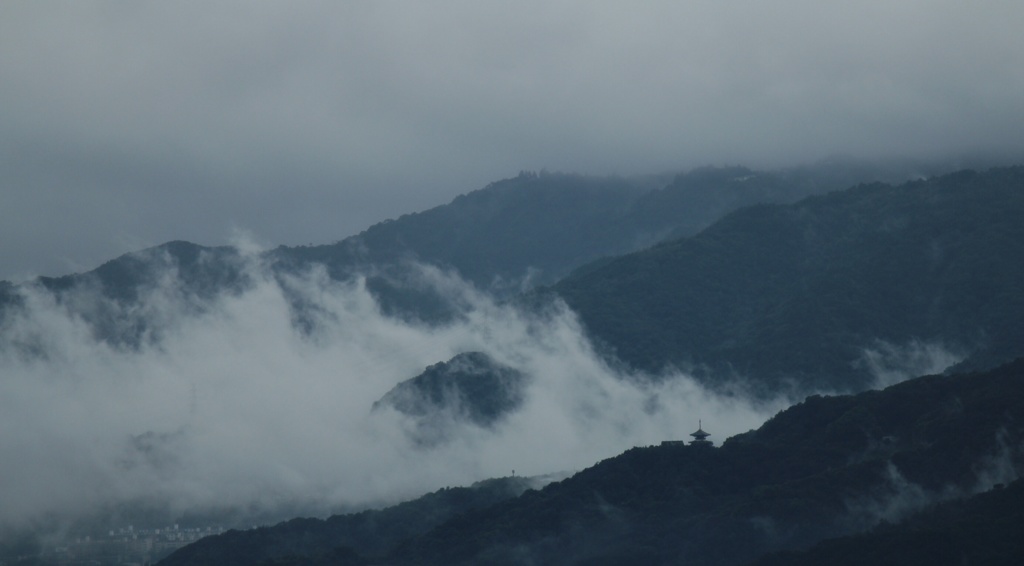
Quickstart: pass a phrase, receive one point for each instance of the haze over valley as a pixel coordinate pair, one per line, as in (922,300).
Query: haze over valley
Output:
(397,285)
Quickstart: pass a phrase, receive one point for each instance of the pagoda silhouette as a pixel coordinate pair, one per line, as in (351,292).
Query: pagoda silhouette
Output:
(700,438)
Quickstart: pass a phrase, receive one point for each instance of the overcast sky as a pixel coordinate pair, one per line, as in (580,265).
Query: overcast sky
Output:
(127,124)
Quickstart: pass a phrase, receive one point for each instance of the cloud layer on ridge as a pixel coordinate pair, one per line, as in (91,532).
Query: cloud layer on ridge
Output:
(128,125)
(235,407)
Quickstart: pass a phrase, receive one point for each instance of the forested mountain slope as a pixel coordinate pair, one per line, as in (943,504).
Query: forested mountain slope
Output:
(536,226)
(804,294)
(827,467)
(983,529)
(540,226)
(504,238)
(368,532)
(471,387)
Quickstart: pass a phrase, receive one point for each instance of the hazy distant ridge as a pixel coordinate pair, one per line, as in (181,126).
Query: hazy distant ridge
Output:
(505,238)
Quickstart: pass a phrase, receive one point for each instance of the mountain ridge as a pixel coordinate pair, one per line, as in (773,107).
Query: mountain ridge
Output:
(504,238)
(811,286)
(798,293)
(828,467)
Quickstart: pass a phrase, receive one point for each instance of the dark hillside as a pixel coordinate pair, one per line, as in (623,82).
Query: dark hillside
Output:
(112,297)
(369,532)
(540,226)
(470,387)
(509,236)
(797,293)
(827,468)
(984,529)
(497,235)
(205,271)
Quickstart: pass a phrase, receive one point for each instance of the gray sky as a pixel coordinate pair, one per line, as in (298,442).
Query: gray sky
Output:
(127,124)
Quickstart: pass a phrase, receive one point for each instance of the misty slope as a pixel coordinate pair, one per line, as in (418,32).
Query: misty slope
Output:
(204,271)
(539,226)
(821,468)
(983,529)
(471,386)
(113,297)
(531,222)
(510,235)
(799,293)
(367,532)
(827,467)
(694,200)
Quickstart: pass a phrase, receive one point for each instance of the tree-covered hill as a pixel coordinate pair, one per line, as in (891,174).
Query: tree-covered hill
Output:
(538,223)
(828,467)
(540,226)
(112,298)
(203,271)
(371,532)
(983,529)
(799,293)
(470,387)
(509,236)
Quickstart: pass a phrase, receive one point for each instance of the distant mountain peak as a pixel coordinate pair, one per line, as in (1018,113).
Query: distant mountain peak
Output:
(471,387)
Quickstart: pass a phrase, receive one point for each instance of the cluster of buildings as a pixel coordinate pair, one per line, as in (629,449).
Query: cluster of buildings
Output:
(125,546)
(129,546)
(700,438)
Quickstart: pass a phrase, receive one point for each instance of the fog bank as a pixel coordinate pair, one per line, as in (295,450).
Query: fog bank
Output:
(234,405)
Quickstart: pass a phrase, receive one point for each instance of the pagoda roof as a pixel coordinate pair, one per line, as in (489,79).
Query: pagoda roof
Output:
(700,434)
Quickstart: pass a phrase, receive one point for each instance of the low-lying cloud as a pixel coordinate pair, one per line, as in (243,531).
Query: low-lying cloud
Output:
(890,364)
(235,406)
(128,125)
(899,498)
